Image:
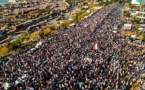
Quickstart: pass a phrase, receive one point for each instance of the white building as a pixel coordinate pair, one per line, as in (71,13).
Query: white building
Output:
(12,1)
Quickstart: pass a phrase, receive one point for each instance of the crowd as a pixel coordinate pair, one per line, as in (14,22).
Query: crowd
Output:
(67,60)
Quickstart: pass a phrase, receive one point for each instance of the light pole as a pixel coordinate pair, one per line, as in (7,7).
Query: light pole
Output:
(61,9)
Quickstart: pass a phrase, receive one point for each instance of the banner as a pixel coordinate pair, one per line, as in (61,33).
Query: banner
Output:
(25,64)
(127,26)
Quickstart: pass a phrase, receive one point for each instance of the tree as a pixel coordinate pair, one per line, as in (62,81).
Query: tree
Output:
(128,1)
(107,2)
(53,27)
(47,32)
(127,14)
(85,3)
(143,37)
(135,20)
(64,25)
(23,37)
(14,45)
(8,44)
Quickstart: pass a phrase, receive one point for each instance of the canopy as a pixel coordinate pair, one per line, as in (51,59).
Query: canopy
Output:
(140,28)
(133,36)
(72,24)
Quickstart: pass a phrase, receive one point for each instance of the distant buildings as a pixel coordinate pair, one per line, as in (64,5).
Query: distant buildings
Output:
(138,2)
(141,13)
(12,1)
(143,3)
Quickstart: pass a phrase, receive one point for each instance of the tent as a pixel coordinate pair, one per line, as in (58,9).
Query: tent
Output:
(88,11)
(133,36)
(142,25)
(72,24)
(140,30)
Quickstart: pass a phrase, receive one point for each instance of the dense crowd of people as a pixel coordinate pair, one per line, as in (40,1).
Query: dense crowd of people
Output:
(67,60)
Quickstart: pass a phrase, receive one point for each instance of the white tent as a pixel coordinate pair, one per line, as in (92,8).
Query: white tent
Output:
(72,24)
(140,29)
(85,16)
(88,11)
(133,36)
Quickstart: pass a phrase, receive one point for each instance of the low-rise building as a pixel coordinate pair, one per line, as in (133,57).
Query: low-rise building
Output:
(141,13)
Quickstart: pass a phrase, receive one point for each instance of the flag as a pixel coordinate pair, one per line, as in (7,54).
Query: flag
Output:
(25,64)
(95,46)
(96,62)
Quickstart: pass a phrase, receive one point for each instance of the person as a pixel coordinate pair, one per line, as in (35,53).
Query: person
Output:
(67,60)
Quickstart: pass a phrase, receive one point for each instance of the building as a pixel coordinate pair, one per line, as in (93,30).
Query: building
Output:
(136,2)
(143,3)
(141,13)
(12,1)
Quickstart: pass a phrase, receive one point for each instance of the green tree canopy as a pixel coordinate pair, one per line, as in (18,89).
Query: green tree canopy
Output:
(135,19)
